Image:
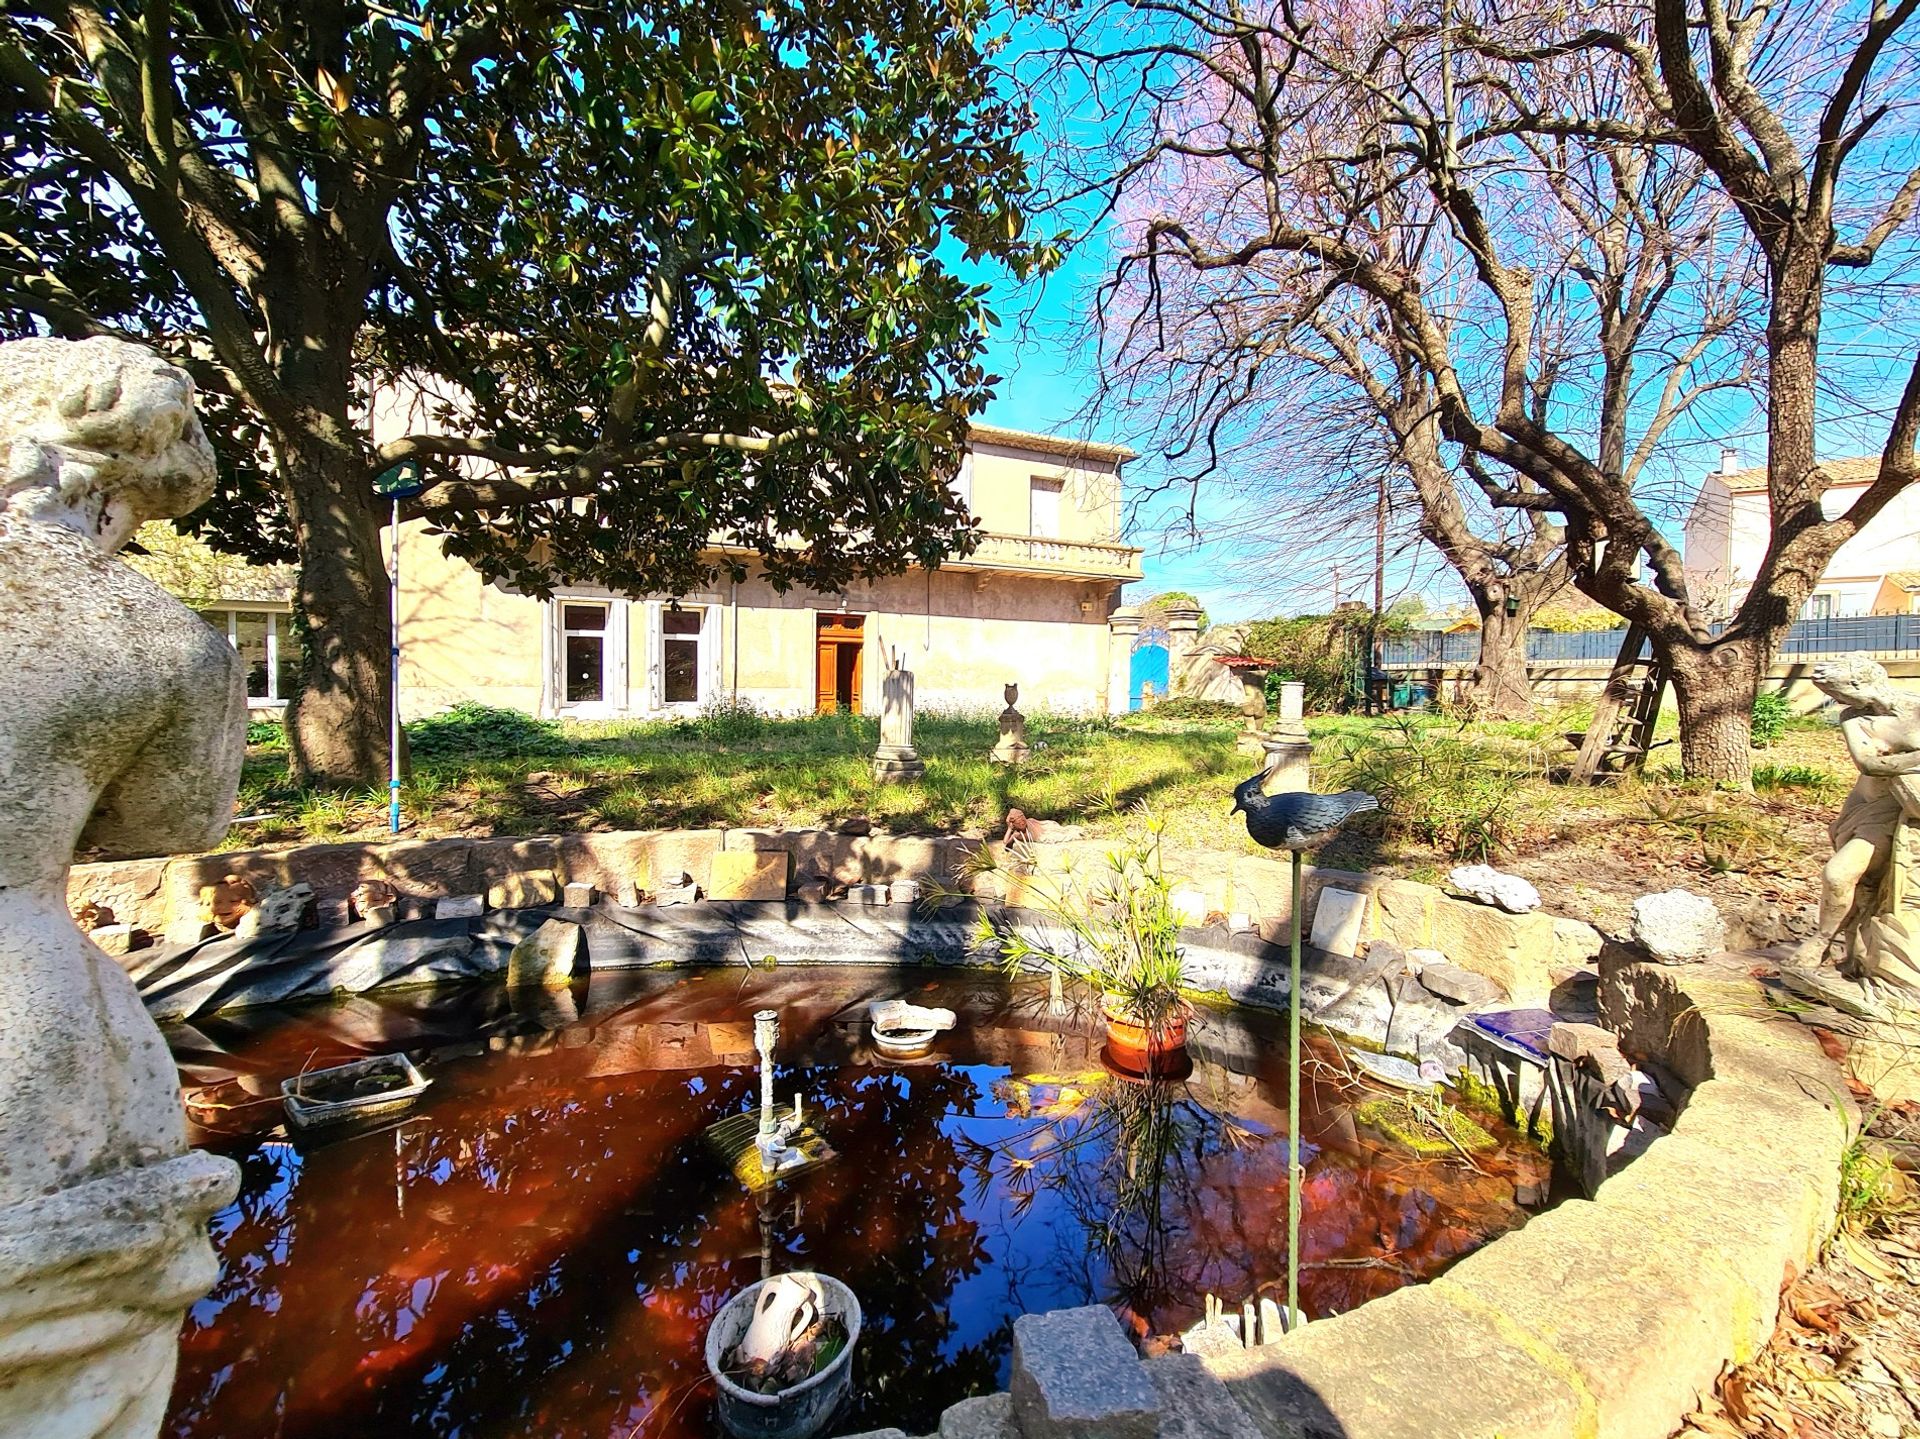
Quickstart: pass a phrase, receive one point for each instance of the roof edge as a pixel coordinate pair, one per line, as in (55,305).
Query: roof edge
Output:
(1048,444)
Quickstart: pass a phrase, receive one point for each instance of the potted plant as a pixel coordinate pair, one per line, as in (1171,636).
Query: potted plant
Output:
(1115,928)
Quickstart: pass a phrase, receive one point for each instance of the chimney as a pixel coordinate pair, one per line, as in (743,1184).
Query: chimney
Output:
(1729,459)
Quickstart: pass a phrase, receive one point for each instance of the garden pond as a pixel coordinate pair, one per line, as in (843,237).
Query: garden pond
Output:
(536,1246)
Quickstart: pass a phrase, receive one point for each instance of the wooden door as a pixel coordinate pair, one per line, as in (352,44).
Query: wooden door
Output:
(839,640)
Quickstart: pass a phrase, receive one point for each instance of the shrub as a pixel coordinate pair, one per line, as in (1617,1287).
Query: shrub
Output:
(477,729)
(1192,709)
(1770,715)
(1434,782)
(269,734)
(1323,652)
(728,719)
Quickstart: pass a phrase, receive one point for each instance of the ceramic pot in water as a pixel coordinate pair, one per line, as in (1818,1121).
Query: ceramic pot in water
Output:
(802,1411)
(1134,1046)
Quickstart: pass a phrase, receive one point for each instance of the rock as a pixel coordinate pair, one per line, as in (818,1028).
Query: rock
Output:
(528,889)
(578,894)
(990,1416)
(1189,906)
(547,958)
(281,911)
(858,825)
(904,891)
(460,906)
(1826,987)
(224,903)
(866,894)
(1677,926)
(686,893)
(890,1014)
(1075,1376)
(123,729)
(1272,1325)
(1419,959)
(114,939)
(1462,986)
(1212,1338)
(1530,1196)
(1593,1049)
(1240,922)
(1339,921)
(1490,886)
(749,874)
(1046,831)
(811,891)
(381,915)
(91,916)
(370,894)
(1195,1403)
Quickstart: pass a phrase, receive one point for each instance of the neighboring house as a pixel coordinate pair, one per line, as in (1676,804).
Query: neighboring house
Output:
(1030,605)
(1729,526)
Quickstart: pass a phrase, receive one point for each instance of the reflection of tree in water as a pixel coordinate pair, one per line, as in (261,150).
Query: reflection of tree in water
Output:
(540,1252)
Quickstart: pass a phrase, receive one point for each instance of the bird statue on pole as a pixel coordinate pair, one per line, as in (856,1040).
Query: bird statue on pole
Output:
(1297,819)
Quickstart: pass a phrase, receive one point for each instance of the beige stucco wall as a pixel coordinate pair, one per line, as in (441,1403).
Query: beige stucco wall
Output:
(1000,480)
(964,634)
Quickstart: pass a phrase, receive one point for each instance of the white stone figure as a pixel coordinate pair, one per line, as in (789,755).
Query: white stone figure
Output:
(895,759)
(122,726)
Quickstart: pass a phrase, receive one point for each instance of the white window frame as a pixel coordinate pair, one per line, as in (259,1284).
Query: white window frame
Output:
(272,699)
(706,664)
(1822,605)
(1038,485)
(612,657)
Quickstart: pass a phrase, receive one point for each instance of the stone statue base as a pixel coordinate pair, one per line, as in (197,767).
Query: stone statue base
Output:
(892,763)
(93,1280)
(1288,762)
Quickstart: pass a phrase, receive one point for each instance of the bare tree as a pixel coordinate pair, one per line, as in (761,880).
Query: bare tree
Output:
(1631,211)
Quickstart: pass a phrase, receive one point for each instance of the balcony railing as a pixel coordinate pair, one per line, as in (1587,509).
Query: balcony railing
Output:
(1034,554)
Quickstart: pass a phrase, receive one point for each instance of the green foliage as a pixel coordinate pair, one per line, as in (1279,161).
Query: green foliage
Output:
(1436,780)
(1320,651)
(659,204)
(1770,715)
(1874,1192)
(1120,931)
(1822,783)
(268,734)
(477,729)
(1565,620)
(1154,608)
(1193,709)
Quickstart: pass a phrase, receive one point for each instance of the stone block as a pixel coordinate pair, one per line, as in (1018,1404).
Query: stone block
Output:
(1403,913)
(1677,926)
(863,858)
(1462,986)
(749,874)
(578,893)
(1075,1376)
(678,894)
(1516,951)
(528,889)
(133,889)
(811,891)
(904,891)
(866,894)
(460,906)
(1339,921)
(547,958)
(113,939)
(280,911)
(988,1417)
(1194,1404)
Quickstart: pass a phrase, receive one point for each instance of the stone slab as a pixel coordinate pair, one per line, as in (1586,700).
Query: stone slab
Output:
(1193,1403)
(749,874)
(1075,1376)
(1340,921)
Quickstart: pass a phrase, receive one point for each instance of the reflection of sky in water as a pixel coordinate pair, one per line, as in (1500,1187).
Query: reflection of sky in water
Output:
(537,1249)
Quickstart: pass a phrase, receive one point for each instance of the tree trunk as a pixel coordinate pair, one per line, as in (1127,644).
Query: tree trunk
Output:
(1714,686)
(1499,688)
(337,720)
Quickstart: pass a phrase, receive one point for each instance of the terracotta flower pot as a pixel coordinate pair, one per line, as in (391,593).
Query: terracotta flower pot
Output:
(1134,1046)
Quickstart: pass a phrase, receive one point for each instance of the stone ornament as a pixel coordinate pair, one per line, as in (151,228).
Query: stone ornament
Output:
(1011,747)
(122,728)
(1495,887)
(1870,889)
(1678,926)
(895,759)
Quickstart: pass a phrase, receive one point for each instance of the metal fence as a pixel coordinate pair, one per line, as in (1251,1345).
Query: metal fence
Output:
(1888,636)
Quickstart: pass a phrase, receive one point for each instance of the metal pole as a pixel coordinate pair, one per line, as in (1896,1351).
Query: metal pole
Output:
(393,684)
(1293,1108)
(766,1034)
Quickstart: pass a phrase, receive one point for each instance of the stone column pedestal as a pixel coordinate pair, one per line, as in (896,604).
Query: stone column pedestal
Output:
(1288,761)
(1123,628)
(1183,633)
(895,759)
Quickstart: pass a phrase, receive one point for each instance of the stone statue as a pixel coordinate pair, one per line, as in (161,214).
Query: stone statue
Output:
(1868,888)
(122,726)
(896,758)
(1011,747)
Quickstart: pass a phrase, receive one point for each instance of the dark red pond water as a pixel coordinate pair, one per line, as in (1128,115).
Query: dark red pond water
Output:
(537,1248)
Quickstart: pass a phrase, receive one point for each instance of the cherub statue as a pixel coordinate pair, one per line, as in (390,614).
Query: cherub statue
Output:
(122,726)
(1881,727)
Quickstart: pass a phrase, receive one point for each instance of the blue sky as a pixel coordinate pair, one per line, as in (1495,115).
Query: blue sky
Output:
(1045,354)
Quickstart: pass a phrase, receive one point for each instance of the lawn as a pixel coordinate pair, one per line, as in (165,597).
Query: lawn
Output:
(1451,791)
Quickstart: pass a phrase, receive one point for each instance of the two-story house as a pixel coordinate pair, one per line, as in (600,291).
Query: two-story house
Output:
(1730,524)
(1030,605)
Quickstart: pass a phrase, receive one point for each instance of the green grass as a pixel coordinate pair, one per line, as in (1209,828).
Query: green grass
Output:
(738,769)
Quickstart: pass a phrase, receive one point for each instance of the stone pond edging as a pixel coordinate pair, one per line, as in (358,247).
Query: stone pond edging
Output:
(1523,953)
(1599,1319)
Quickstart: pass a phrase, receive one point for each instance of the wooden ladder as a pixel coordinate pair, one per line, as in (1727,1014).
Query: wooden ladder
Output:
(1623,722)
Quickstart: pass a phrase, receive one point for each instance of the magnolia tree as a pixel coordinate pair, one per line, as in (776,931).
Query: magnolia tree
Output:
(659,271)
(1573,231)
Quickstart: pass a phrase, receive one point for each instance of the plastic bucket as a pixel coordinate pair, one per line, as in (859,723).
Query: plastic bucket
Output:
(809,1406)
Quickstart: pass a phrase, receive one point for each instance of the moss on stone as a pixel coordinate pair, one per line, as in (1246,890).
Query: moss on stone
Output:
(1427,1127)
